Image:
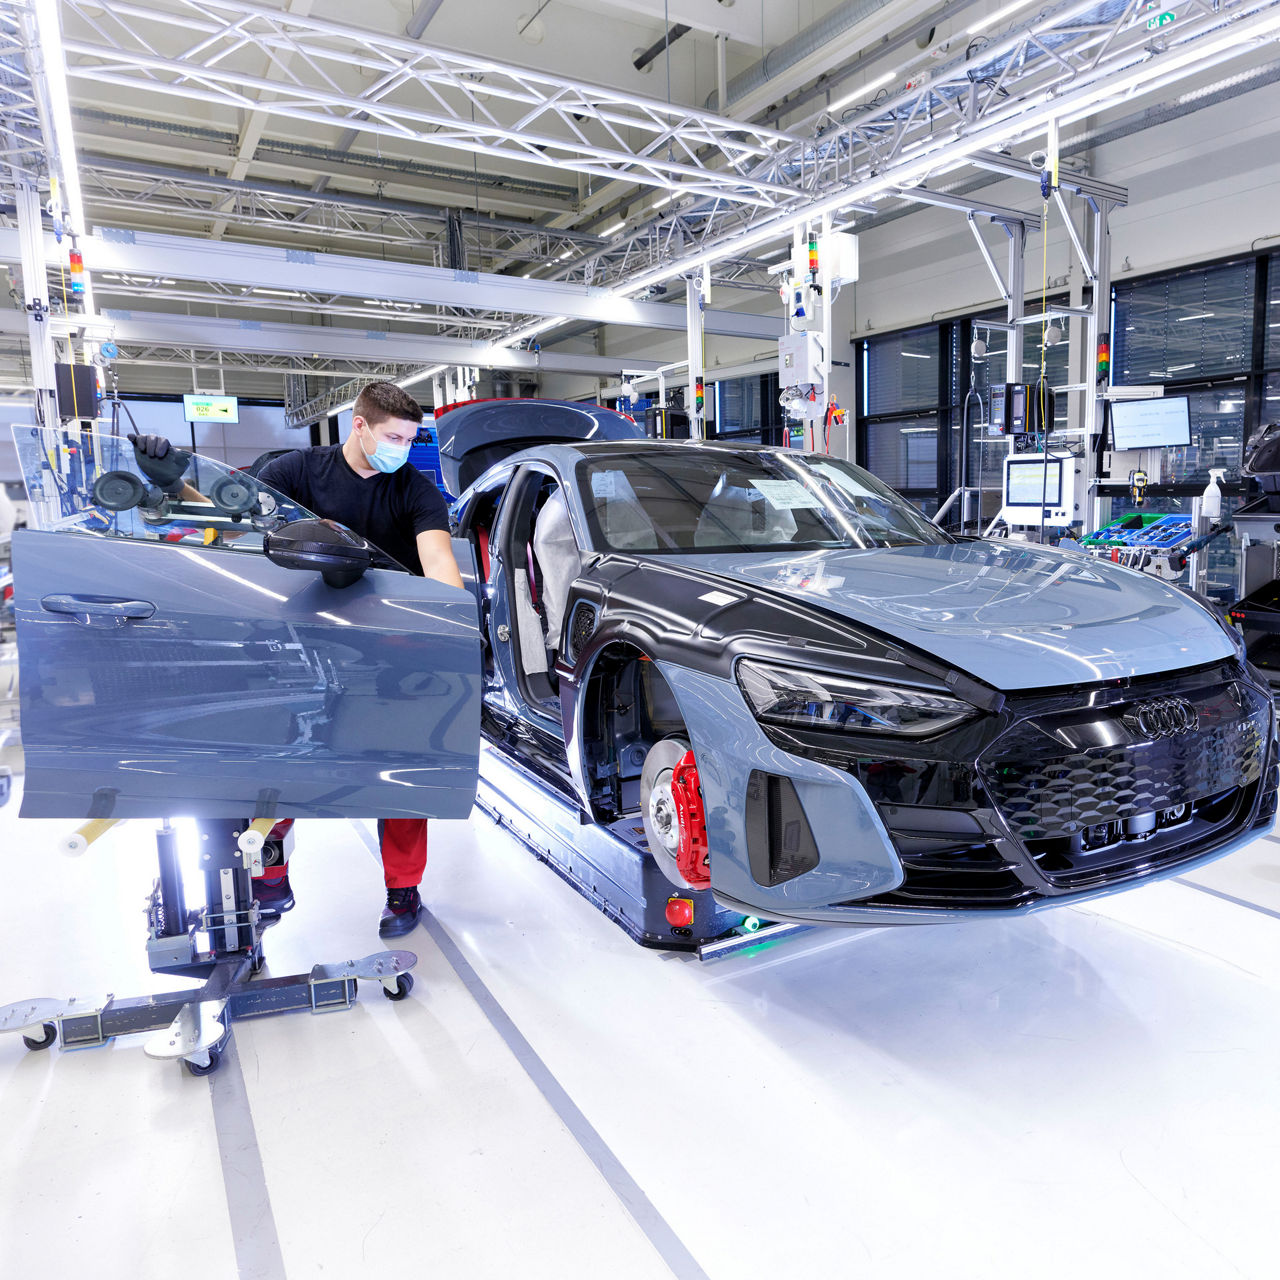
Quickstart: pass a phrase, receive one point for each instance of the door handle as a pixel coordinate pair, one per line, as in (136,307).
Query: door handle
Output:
(98,611)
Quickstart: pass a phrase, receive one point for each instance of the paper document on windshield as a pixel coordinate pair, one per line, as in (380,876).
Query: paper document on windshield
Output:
(787,495)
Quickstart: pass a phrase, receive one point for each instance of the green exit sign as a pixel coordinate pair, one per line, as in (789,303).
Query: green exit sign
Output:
(1165,19)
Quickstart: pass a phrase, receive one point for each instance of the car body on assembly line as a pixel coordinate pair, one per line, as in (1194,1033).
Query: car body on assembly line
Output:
(802,700)
(824,708)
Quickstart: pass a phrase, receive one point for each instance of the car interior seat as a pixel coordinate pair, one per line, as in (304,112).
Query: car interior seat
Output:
(623,520)
(737,515)
(557,556)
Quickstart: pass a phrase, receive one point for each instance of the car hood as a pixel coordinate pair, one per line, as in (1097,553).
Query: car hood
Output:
(1015,617)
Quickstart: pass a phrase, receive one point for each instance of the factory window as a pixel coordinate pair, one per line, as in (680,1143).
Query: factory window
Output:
(1271,340)
(747,409)
(907,392)
(1185,325)
(902,371)
(1203,333)
(904,454)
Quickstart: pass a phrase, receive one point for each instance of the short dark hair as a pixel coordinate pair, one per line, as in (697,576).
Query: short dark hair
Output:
(382,400)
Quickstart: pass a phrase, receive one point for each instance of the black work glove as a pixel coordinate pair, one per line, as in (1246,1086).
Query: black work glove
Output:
(160,462)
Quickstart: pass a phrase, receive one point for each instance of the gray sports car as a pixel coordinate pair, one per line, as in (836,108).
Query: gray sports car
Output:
(759,677)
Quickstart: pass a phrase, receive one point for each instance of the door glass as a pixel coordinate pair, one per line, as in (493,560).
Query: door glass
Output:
(79,482)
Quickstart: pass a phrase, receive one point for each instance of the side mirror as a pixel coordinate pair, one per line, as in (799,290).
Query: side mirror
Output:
(339,556)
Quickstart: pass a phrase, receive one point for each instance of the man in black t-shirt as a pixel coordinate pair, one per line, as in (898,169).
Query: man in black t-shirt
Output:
(364,484)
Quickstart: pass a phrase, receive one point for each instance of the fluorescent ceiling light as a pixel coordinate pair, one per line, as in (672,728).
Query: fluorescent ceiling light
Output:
(565,256)
(916,355)
(421,375)
(275,293)
(1202,315)
(865,89)
(992,19)
(1177,368)
(617,226)
(667,199)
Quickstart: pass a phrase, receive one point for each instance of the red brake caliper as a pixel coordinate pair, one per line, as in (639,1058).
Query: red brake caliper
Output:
(693,857)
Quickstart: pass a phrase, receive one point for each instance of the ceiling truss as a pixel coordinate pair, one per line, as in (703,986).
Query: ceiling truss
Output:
(196,49)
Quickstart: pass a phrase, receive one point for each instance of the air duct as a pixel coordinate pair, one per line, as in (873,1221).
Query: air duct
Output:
(804,45)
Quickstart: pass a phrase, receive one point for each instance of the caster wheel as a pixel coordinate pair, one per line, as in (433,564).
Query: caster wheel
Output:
(404,984)
(195,1069)
(44,1041)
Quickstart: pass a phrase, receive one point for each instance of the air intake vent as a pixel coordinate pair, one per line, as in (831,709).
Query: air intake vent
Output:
(780,843)
(581,627)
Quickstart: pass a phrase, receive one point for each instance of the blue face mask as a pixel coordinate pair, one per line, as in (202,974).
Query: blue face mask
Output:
(387,457)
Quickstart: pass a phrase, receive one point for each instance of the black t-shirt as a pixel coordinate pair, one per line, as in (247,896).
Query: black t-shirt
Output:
(390,510)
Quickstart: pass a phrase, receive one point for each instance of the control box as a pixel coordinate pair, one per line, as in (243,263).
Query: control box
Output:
(1018,408)
(799,360)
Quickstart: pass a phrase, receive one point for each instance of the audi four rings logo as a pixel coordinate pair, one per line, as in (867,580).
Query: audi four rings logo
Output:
(1163,718)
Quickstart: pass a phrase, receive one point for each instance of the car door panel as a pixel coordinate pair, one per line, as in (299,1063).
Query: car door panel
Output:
(159,680)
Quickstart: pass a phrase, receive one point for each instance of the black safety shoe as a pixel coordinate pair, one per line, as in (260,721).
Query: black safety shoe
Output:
(274,897)
(401,913)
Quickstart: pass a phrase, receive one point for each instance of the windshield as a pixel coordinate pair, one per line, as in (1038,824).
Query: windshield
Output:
(689,498)
(80,482)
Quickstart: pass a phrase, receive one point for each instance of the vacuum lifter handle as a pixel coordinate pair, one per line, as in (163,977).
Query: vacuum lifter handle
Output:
(254,836)
(80,839)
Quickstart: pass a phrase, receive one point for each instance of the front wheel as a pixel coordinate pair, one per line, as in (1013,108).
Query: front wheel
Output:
(671,809)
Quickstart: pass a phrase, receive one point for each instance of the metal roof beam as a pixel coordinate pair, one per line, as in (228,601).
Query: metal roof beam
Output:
(216,333)
(183,258)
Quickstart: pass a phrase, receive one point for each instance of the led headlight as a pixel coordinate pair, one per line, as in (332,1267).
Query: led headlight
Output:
(817,700)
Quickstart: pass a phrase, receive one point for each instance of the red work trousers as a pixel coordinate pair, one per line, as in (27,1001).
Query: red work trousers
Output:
(404,851)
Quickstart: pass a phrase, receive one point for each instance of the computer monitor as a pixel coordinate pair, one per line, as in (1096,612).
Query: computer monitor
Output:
(1027,485)
(1164,422)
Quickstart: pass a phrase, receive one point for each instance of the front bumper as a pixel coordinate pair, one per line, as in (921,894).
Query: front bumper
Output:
(1059,797)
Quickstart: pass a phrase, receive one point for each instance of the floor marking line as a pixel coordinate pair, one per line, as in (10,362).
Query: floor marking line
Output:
(668,1245)
(1228,897)
(253,1225)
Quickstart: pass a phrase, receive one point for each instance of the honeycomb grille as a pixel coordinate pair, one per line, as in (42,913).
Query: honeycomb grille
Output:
(1043,790)
(581,627)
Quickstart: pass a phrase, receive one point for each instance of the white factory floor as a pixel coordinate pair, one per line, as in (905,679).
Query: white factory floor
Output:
(1087,1092)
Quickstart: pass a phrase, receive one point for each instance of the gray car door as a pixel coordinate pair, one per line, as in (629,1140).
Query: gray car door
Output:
(168,667)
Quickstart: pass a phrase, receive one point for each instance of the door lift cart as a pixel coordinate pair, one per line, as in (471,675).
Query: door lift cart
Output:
(218,942)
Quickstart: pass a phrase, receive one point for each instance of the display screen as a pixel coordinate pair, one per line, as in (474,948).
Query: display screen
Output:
(211,408)
(1150,424)
(1025,483)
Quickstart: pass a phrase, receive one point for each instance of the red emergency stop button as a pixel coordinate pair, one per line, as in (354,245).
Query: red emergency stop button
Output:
(679,912)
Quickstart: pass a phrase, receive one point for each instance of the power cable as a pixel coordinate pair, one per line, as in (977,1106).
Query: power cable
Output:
(530,23)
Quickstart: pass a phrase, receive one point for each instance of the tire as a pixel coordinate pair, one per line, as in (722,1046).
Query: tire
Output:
(35,1043)
(404,984)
